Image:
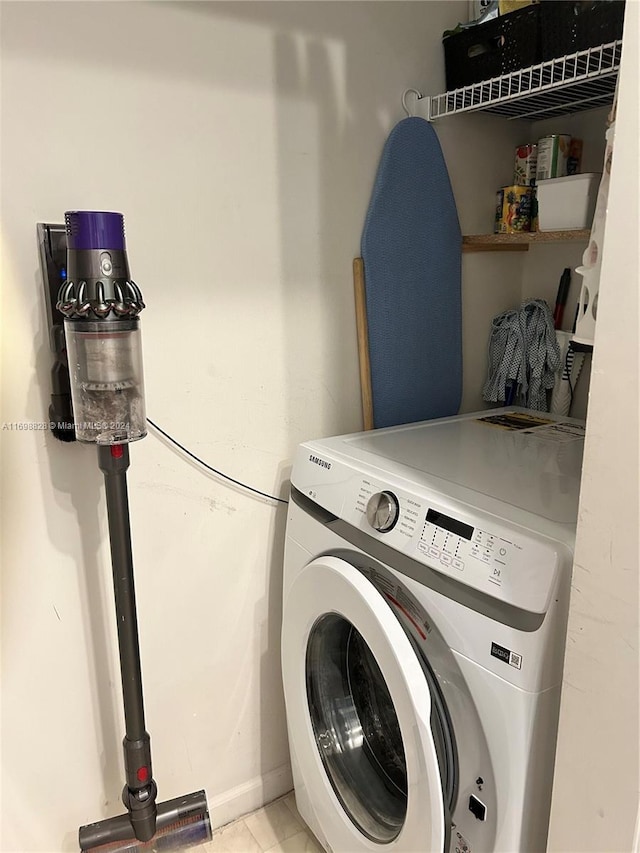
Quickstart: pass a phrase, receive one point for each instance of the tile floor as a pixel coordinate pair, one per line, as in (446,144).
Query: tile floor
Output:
(276,828)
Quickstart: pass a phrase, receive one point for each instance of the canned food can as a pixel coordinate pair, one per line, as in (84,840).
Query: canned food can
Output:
(535,225)
(515,215)
(524,173)
(553,153)
(498,217)
(574,160)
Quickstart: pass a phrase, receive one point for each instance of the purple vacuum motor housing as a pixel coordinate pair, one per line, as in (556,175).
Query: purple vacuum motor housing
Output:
(96,250)
(94,229)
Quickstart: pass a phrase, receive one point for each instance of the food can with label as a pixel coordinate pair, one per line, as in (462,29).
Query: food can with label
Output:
(516,210)
(524,174)
(553,153)
(535,225)
(574,160)
(498,217)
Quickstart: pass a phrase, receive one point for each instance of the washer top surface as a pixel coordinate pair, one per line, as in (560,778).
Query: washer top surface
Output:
(530,460)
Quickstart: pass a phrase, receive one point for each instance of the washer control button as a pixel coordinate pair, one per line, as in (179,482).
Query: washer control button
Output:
(383,511)
(477,808)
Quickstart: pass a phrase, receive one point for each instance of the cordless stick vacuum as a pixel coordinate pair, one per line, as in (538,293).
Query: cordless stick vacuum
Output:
(101,305)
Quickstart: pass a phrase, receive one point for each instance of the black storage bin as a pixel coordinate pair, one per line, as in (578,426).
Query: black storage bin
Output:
(567,26)
(496,47)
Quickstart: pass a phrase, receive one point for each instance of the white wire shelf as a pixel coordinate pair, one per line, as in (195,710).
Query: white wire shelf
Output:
(579,81)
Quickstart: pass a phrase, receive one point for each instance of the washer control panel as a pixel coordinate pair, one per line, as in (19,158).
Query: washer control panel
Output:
(454,543)
(475,549)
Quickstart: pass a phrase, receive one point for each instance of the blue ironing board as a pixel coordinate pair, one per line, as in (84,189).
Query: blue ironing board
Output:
(411,247)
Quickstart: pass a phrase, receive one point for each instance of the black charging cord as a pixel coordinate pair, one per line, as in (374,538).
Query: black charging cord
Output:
(215,470)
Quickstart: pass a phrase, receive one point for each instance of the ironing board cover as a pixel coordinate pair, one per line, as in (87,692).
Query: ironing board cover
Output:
(411,246)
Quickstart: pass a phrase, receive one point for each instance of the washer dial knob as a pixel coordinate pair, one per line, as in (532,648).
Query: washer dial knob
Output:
(382,511)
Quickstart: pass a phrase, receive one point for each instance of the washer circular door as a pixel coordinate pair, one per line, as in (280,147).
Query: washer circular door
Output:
(358,709)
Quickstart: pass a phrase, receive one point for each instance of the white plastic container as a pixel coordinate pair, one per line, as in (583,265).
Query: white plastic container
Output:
(567,204)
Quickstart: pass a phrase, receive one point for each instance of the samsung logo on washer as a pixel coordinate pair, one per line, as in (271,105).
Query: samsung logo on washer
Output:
(321,462)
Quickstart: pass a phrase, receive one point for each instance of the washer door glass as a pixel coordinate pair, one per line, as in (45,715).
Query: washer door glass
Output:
(356,728)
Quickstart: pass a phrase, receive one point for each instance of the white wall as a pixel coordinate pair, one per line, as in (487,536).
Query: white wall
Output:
(241,142)
(543,264)
(596,788)
(480,151)
(495,282)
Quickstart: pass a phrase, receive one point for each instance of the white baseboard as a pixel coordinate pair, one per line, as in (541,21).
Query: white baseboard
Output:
(250,796)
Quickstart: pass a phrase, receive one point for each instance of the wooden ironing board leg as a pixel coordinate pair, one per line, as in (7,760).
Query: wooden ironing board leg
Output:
(363,342)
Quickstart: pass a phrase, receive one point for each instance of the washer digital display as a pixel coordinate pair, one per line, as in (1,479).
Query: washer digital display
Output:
(450,524)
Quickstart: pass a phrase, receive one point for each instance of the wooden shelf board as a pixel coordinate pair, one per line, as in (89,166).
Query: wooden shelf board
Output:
(521,241)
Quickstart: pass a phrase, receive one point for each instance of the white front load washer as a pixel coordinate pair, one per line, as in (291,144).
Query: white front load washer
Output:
(426,587)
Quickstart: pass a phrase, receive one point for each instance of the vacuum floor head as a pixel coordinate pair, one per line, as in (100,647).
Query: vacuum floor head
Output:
(181,823)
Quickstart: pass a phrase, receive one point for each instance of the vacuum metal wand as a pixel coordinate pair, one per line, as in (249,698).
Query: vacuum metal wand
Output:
(174,824)
(139,793)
